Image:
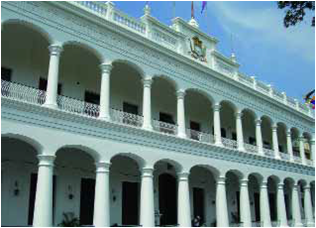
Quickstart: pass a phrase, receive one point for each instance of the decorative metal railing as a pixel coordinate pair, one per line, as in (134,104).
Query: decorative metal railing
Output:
(285,156)
(297,159)
(309,162)
(200,136)
(21,92)
(125,118)
(229,143)
(251,148)
(164,127)
(268,152)
(77,106)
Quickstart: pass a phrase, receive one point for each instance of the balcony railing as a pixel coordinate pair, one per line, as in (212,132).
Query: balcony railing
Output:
(35,96)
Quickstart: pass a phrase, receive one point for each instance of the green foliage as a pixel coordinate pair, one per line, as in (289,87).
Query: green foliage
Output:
(296,11)
(69,220)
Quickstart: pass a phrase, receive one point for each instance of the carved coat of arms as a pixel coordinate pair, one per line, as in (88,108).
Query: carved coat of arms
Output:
(198,50)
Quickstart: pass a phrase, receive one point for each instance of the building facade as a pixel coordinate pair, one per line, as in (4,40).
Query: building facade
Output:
(124,121)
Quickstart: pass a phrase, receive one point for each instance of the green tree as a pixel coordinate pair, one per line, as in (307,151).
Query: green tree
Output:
(296,11)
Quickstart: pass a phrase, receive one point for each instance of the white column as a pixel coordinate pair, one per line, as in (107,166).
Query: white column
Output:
(312,144)
(221,203)
(302,150)
(43,209)
(308,206)
(245,213)
(101,216)
(259,136)
(147,210)
(147,104)
(52,81)
(181,114)
(264,205)
(217,125)
(289,144)
(275,141)
(239,130)
(105,91)
(296,211)
(184,212)
(281,212)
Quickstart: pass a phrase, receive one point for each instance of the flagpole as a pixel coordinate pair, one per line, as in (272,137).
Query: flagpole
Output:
(173,9)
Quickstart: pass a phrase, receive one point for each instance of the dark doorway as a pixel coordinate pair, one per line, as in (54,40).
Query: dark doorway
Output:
(238,206)
(287,206)
(197,128)
(272,203)
(198,203)
(33,184)
(167,199)
(6,74)
(130,109)
(257,206)
(87,201)
(166,118)
(130,203)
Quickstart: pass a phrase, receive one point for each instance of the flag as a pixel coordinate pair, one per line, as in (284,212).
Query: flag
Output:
(204,4)
(192,10)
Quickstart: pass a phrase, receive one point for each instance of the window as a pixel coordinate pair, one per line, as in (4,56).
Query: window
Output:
(196,127)
(252,140)
(166,118)
(42,85)
(130,109)
(6,74)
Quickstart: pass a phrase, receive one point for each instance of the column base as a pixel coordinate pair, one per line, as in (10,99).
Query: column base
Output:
(182,135)
(52,106)
(104,118)
(220,144)
(310,224)
(277,157)
(148,127)
(299,225)
(242,149)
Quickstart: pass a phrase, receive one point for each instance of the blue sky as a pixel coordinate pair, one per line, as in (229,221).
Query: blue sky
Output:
(264,48)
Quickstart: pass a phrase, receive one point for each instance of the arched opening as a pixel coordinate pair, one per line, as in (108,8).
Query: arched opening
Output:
(249,126)
(272,193)
(199,116)
(295,135)
(125,183)
(24,61)
(164,105)
(288,188)
(254,196)
(266,128)
(165,181)
(203,194)
(228,122)
(75,179)
(19,167)
(300,188)
(307,145)
(126,93)
(79,76)
(281,131)
(233,197)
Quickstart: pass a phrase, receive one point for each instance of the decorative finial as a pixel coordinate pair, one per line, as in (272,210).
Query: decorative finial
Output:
(147,9)
(193,23)
(233,57)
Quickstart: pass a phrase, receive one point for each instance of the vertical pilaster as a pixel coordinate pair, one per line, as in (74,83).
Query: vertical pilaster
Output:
(239,129)
(245,213)
(259,136)
(181,114)
(281,206)
(184,213)
(264,205)
(221,203)
(217,125)
(105,91)
(101,216)
(52,81)
(289,144)
(302,150)
(275,141)
(308,206)
(43,209)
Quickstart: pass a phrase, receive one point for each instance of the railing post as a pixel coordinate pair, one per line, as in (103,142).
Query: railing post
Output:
(254,82)
(110,10)
(270,90)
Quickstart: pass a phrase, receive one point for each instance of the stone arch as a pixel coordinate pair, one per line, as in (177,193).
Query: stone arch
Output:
(90,151)
(251,112)
(236,172)
(30,25)
(131,64)
(33,142)
(168,79)
(178,167)
(201,93)
(259,177)
(139,160)
(215,171)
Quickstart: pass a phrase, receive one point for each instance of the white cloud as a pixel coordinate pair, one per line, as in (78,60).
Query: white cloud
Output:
(255,25)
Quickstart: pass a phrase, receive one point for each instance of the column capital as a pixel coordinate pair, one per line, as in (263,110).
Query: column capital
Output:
(289,133)
(244,182)
(238,114)
(295,187)
(106,67)
(46,160)
(258,122)
(183,176)
(102,167)
(221,180)
(180,94)
(274,127)
(147,82)
(217,107)
(307,187)
(147,172)
(55,49)
(281,186)
(264,185)
(301,138)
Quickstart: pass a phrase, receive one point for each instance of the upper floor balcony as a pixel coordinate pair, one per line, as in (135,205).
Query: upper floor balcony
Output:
(123,93)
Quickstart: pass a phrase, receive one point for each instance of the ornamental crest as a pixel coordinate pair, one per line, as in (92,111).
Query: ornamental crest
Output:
(198,50)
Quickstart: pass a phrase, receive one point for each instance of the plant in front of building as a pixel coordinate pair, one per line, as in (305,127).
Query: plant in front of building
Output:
(69,220)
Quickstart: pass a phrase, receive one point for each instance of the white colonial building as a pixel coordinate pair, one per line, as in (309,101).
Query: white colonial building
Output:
(124,121)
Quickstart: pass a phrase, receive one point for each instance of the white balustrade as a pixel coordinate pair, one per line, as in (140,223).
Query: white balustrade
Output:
(268,152)
(164,39)
(285,156)
(297,159)
(94,6)
(129,22)
(309,162)
(245,80)
(278,96)
(21,92)
(200,136)
(291,102)
(251,148)
(229,143)
(164,127)
(125,118)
